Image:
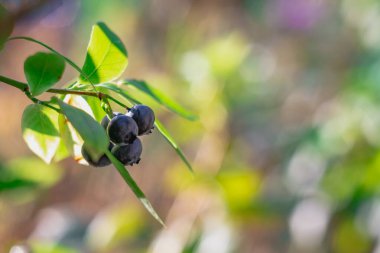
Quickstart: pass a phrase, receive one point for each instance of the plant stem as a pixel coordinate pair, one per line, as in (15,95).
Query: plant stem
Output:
(74,92)
(19,85)
(37,101)
(118,102)
(25,88)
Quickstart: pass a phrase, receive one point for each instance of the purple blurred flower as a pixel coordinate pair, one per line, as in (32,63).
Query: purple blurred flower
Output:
(299,14)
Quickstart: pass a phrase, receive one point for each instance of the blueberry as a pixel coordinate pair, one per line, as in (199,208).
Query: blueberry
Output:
(101,162)
(105,121)
(128,154)
(122,129)
(144,117)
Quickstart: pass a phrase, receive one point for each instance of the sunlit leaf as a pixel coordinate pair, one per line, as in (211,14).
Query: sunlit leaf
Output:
(76,139)
(93,134)
(134,187)
(106,57)
(172,143)
(40,131)
(161,98)
(66,144)
(43,70)
(96,109)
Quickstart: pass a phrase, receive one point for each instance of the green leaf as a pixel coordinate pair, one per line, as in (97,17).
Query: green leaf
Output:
(161,98)
(106,57)
(75,141)
(134,187)
(97,110)
(93,134)
(172,143)
(6,25)
(66,144)
(40,131)
(43,70)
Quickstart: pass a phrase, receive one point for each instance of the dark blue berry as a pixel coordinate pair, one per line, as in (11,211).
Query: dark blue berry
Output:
(128,154)
(122,129)
(106,120)
(101,162)
(144,117)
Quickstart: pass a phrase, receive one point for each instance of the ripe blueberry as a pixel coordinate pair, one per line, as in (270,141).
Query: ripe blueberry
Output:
(122,129)
(105,121)
(144,117)
(101,162)
(128,154)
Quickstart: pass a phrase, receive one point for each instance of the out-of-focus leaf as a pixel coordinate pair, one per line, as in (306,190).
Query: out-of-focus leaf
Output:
(342,193)
(106,57)
(46,247)
(22,178)
(123,222)
(40,131)
(6,25)
(172,143)
(240,187)
(371,176)
(161,98)
(43,70)
(8,181)
(134,187)
(35,171)
(347,238)
(93,134)
(226,54)
(193,244)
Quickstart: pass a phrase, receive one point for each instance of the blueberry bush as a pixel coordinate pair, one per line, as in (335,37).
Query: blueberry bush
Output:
(78,120)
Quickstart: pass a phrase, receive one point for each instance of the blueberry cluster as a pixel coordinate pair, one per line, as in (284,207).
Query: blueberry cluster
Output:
(123,130)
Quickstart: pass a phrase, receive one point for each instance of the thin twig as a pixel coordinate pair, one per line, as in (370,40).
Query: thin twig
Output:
(25,88)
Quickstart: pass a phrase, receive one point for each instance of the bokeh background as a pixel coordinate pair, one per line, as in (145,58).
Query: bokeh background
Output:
(286,148)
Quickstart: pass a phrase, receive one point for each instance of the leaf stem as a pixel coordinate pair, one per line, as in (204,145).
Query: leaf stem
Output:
(19,85)
(118,102)
(25,88)
(74,92)
(37,101)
